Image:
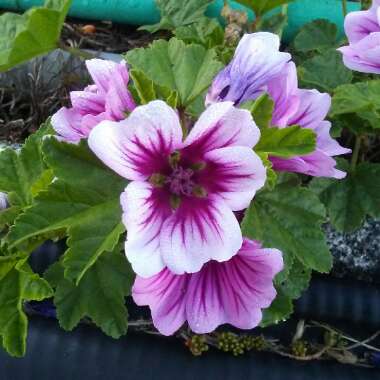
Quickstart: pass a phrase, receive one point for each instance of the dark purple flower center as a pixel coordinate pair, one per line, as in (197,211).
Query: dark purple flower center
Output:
(180,181)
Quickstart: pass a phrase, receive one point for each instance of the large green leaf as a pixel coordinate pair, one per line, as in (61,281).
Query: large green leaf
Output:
(36,32)
(286,142)
(316,35)
(83,200)
(325,71)
(261,7)
(289,218)
(18,285)
(206,32)
(186,69)
(99,296)
(177,13)
(261,110)
(362,98)
(279,311)
(21,171)
(348,201)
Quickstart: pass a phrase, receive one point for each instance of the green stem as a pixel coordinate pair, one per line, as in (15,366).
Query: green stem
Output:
(355,153)
(344,7)
(77,52)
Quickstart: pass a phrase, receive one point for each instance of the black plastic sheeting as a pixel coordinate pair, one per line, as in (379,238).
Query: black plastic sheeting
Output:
(86,353)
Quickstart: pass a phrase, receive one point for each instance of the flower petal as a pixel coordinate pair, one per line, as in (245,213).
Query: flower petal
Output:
(235,291)
(87,102)
(257,60)
(145,210)
(221,125)
(163,293)
(201,229)
(235,173)
(139,146)
(101,72)
(326,143)
(358,25)
(312,109)
(67,123)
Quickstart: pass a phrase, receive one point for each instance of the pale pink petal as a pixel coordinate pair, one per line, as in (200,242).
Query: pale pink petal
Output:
(221,125)
(284,92)
(87,102)
(139,146)
(101,72)
(312,109)
(326,143)
(317,164)
(358,25)
(164,294)
(145,210)
(67,124)
(235,173)
(201,229)
(233,292)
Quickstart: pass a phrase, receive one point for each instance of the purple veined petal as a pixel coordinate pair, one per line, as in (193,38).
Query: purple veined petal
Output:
(326,143)
(358,25)
(145,209)
(363,56)
(219,126)
(316,164)
(119,100)
(89,122)
(67,124)
(284,92)
(164,294)
(234,173)
(231,292)
(201,229)
(257,60)
(139,146)
(312,109)
(101,72)
(87,102)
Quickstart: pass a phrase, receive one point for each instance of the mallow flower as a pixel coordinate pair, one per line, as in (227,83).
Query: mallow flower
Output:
(179,208)
(363,31)
(231,292)
(107,99)
(265,69)
(3,201)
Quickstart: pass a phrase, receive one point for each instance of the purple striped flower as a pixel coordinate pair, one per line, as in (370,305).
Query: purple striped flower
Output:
(231,292)
(363,32)
(179,207)
(107,99)
(259,67)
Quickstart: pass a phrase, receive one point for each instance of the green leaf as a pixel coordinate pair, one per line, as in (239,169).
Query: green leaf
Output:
(148,91)
(325,71)
(18,285)
(261,110)
(177,13)
(280,310)
(206,32)
(261,7)
(362,98)
(289,218)
(77,202)
(286,142)
(186,69)
(349,200)
(297,281)
(316,35)
(271,174)
(20,171)
(99,296)
(36,32)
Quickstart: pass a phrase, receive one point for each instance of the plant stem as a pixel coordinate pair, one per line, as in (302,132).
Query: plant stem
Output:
(355,153)
(77,52)
(344,7)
